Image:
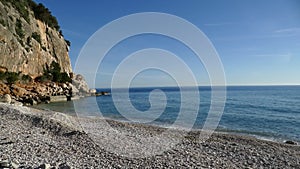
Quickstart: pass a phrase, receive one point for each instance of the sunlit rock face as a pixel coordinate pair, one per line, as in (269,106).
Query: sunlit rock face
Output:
(29,45)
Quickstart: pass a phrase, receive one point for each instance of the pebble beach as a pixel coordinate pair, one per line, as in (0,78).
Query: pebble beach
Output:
(32,138)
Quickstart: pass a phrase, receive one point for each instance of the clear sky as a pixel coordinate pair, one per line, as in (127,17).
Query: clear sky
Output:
(257,41)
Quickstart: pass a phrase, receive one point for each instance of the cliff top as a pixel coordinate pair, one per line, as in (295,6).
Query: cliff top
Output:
(39,10)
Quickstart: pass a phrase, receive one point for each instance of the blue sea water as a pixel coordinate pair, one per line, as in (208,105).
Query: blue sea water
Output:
(267,112)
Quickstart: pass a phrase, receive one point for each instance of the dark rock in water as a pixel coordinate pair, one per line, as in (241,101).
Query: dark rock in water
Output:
(29,100)
(102,93)
(45,99)
(291,142)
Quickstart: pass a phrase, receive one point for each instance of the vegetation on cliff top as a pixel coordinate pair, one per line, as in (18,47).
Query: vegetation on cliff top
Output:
(40,11)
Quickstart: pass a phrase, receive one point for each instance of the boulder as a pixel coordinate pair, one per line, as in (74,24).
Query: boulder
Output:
(291,142)
(64,166)
(64,86)
(45,166)
(79,82)
(6,99)
(4,89)
(4,164)
(18,91)
(16,103)
(93,91)
(29,100)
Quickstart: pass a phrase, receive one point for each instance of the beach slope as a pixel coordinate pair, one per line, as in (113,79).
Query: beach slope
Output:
(31,138)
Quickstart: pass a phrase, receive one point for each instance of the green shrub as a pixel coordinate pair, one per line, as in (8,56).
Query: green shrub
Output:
(2,76)
(65,78)
(68,42)
(26,78)
(11,77)
(42,13)
(54,67)
(53,73)
(44,78)
(37,37)
(19,29)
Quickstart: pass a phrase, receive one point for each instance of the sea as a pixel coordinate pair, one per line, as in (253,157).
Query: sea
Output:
(265,112)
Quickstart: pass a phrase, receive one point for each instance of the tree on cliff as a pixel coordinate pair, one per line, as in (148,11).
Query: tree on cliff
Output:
(53,73)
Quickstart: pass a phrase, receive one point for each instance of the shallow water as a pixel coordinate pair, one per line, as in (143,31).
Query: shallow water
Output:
(268,112)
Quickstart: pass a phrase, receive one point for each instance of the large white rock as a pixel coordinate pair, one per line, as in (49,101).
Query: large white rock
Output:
(80,83)
(93,91)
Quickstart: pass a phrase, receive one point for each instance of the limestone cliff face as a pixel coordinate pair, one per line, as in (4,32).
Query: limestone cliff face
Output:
(29,45)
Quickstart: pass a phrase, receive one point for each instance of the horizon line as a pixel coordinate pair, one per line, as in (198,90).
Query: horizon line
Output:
(232,85)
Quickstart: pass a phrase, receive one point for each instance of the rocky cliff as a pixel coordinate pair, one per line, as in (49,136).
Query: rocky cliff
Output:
(29,44)
(34,62)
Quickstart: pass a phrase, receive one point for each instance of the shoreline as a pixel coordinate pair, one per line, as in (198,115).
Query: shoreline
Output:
(31,137)
(220,130)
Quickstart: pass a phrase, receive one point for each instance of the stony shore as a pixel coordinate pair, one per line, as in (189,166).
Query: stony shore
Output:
(31,138)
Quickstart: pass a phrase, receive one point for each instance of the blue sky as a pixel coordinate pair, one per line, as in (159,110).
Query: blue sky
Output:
(258,41)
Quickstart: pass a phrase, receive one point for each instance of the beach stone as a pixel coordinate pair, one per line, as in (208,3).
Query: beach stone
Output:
(44,166)
(291,142)
(64,86)
(4,164)
(14,165)
(6,98)
(64,166)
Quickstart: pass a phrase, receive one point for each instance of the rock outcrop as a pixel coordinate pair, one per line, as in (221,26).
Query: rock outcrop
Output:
(29,45)
(80,84)
(44,92)
(6,99)
(34,62)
